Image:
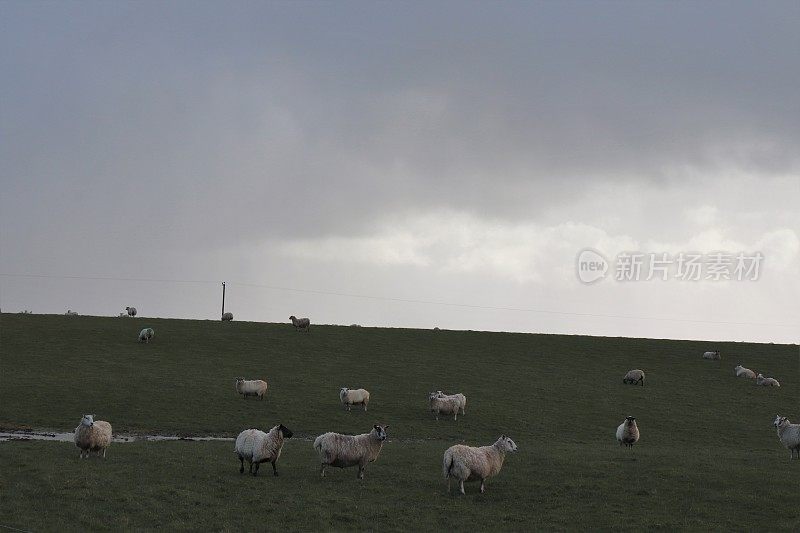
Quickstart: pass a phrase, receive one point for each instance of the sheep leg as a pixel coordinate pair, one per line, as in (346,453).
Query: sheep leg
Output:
(483,486)
(249,467)
(361,471)
(274,469)
(255,473)
(241,465)
(461,485)
(104,453)
(455,415)
(365,407)
(322,470)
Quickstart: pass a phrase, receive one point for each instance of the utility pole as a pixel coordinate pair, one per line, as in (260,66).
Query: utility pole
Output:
(223,300)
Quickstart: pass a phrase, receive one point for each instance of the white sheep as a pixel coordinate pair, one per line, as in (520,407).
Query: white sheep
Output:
(789,434)
(467,463)
(300,323)
(131,311)
(742,372)
(460,398)
(351,397)
(70,312)
(767,382)
(257,447)
(628,432)
(253,387)
(343,451)
(146,335)
(92,435)
(634,377)
(227,317)
(445,405)
(712,355)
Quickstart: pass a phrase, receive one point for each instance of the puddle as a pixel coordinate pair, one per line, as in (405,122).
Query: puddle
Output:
(52,436)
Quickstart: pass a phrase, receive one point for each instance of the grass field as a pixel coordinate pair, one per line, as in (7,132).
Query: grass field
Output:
(708,456)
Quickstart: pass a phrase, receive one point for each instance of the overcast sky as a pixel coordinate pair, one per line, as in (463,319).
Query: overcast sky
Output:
(449,152)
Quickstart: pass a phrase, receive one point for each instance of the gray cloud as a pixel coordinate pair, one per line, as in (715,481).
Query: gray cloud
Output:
(137,132)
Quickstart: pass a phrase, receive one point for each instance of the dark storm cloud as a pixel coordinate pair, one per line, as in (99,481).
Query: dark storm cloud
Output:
(294,119)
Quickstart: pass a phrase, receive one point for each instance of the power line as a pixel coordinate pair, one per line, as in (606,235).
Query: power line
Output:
(408,300)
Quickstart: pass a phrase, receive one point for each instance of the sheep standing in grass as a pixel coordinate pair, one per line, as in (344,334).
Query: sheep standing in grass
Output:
(351,397)
(257,447)
(131,311)
(445,405)
(628,432)
(742,372)
(460,399)
(343,451)
(70,312)
(766,382)
(146,335)
(300,323)
(634,377)
(227,317)
(251,387)
(92,435)
(467,463)
(715,356)
(789,434)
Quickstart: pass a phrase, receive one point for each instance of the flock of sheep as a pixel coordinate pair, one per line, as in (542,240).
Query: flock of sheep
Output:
(460,462)
(788,433)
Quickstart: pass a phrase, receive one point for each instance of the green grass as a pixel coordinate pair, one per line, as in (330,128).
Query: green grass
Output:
(708,457)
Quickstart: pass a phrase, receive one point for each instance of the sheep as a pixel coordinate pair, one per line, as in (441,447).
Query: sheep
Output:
(300,323)
(439,403)
(634,377)
(742,372)
(712,355)
(227,317)
(767,382)
(146,334)
(257,447)
(789,434)
(467,463)
(92,436)
(342,451)
(628,432)
(462,400)
(131,311)
(350,397)
(70,312)
(254,387)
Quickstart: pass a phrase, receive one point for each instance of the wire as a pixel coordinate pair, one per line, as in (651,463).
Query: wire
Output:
(408,300)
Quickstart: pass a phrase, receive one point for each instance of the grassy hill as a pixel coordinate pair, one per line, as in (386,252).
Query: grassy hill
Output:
(706,452)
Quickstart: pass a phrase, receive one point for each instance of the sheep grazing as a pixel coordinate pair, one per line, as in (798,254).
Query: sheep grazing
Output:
(634,377)
(92,435)
(742,372)
(467,463)
(70,312)
(257,447)
(343,451)
(441,403)
(789,434)
(351,397)
(131,311)
(146,335)
(227,317)
(300,323)
(628,432)
(766,382)
(712,355)
(251,387)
